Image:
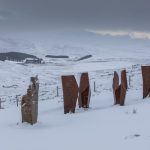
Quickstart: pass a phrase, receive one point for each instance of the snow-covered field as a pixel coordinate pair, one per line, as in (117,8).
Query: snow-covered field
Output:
(103,126)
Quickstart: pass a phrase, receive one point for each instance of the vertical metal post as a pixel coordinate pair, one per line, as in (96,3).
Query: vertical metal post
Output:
(17,100)
(94,86)
(129,81)
(0,104)
(57,91)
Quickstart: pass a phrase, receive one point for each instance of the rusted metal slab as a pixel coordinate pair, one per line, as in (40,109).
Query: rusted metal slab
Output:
(124,79)
(146,80)
(119,90)
(116,89)
(123,88)
(84,91)
(70,93)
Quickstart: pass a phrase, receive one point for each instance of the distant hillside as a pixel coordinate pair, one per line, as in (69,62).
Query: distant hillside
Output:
(15,56)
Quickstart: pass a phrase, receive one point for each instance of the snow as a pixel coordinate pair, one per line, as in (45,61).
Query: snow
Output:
(102,126)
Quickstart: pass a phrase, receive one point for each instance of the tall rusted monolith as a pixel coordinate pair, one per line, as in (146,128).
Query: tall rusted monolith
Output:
(146,80)
(124,78)
(124,86)
(70,93)
(119,91)
(29,104)
(116,88)
(84,91)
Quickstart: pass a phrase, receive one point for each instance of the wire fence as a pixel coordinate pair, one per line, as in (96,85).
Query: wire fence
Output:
(101,82)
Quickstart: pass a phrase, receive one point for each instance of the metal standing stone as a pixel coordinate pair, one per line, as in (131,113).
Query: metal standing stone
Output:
(124,78)
(123,87)
(119,91)
(146,80)
(116,89)
(84,91)
(70,93)
(29,104)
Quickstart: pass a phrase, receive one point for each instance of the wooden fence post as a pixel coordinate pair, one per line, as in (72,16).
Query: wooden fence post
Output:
(0,104)
(94,86)
(129,81)
(57,91)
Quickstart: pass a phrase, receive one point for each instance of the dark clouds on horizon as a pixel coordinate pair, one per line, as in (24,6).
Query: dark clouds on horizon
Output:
(60,14)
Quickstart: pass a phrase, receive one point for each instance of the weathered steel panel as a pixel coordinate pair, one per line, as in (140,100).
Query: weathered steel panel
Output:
(84,91)
(124,79)
(116,88)
(146,80)
(70,93)
(124,86)
(119,91)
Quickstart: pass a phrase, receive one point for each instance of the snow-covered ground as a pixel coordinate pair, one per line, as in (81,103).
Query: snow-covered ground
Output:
(103,126)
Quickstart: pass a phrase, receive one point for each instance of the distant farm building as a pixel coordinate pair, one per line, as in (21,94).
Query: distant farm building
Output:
(85,57)
(57,56)
(34,61)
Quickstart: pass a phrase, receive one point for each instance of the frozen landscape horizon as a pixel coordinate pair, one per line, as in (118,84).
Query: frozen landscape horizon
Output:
(102,126)
(50,39)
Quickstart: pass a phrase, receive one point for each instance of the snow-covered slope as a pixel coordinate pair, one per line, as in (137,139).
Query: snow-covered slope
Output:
(103,126)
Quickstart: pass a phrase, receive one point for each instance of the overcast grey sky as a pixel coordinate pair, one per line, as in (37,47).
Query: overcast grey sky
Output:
(60,14)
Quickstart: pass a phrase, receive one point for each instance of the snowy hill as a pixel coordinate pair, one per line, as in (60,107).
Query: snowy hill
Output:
(103,126)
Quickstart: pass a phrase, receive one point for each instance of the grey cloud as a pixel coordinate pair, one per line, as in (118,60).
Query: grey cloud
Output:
(101,14)
(5,14)
(120,33)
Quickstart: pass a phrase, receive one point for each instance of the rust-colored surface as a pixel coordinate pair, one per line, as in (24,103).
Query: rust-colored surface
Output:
(122,94)
(123,87)
(70,93)
(84,91)
(29,104)
(116,89)
(119,91)
(124,79)
(146,80)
